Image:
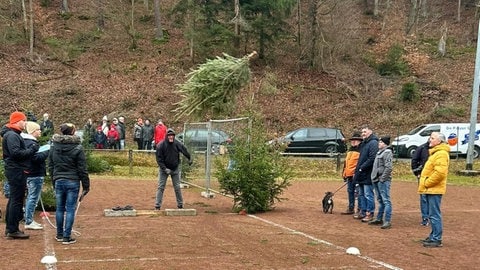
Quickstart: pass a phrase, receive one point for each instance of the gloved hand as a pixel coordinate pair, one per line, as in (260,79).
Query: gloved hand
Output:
(84,192)
(34,147)
(168,171)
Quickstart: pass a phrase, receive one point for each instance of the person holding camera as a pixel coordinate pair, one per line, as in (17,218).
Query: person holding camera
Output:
(168,159)
(67,166)
(418,161)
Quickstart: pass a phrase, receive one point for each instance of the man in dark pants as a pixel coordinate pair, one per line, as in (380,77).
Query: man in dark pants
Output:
(168,160)
(418,161)
(16,156)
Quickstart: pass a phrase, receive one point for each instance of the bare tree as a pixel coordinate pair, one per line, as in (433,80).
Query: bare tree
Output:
(100,15)
(30,8)
(25,19)
(158,22)
(412,16)
(64,7)
(442,43)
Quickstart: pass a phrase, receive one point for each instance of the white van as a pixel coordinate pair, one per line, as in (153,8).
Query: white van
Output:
(456,133)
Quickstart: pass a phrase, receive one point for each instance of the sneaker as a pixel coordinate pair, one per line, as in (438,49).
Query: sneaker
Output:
(157,208)
(368,217)
(349,211)
(375,222)
(37,223)
(180,207)
(17,235)
(425,222)
(69,241)
(433,244)
(33,226)
(426,240)
(386,225)
(59,238)
(358,215)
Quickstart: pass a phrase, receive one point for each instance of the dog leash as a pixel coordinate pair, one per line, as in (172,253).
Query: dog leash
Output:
(340,188)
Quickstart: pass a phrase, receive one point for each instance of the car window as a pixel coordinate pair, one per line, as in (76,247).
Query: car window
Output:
(426,132)
(301,134)
(334,133)
(316,132)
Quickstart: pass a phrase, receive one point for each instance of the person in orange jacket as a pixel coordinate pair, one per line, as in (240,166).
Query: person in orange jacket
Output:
(349,166)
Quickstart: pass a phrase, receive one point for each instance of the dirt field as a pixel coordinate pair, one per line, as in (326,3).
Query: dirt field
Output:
(296,235)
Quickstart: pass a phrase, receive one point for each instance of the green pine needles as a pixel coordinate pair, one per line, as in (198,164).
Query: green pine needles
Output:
(211,89)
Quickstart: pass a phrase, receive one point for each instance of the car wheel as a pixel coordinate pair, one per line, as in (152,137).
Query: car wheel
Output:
(411,151)
(331,149)
(215,149)
(476,152)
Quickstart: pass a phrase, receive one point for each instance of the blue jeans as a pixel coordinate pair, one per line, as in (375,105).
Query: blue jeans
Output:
(66,193)
(361,200)
(162,181)
(424,206)
(369,198)
(435,215)
(6,189)
(384,202)
(34,186)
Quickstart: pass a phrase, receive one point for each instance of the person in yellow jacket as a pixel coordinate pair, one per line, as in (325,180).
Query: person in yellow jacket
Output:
(433,183)
(349,166)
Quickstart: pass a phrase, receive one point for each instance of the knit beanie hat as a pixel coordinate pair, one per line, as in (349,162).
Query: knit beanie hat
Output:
(385,140)
(67,129)
(16,117)
(170,132)
(32,126)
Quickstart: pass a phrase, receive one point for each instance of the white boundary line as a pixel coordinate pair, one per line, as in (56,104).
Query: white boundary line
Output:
(384,264)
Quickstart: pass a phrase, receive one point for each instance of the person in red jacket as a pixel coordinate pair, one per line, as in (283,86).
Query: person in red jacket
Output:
(351,160)
(159,133)
(113,138)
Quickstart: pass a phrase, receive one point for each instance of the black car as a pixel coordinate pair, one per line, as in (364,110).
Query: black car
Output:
(196,139)
(314,140)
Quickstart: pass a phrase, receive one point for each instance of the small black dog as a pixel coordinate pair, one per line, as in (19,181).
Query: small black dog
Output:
(327,202)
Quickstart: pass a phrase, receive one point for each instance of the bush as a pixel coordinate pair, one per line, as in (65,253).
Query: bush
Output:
(257,177)
(96,164)
(48,198)
(410,92)
(394,64)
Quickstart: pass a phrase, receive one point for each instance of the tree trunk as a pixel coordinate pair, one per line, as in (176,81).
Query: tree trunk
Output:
(30,7)
(313,5)
(158,22)
(458,10)
(145,3)
(375,8)
(412,16)
(64,8)
(236,41)
(25,20)
(100,15)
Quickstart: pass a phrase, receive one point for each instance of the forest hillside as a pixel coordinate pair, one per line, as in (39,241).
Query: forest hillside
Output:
(322,63)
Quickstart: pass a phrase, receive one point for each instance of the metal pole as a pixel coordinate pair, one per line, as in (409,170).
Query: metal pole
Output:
(208,161)
(473,112)
(130,161)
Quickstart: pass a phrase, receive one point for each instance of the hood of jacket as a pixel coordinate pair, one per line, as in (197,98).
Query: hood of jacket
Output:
(65,143)
(4,130)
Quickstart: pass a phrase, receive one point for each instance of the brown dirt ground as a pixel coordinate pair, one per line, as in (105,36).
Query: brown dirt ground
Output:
(296,235)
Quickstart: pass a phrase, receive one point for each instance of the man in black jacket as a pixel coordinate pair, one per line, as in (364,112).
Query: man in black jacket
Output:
(16,156)
(418,161)
(362,176)
(168,160)
(68,167)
